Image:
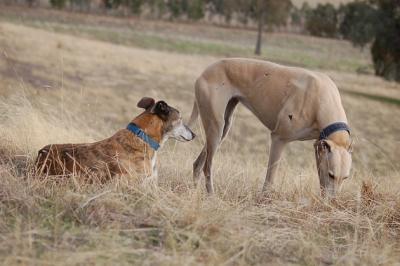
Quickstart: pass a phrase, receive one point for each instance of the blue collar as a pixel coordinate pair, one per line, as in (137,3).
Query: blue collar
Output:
(141,134)
(332,128)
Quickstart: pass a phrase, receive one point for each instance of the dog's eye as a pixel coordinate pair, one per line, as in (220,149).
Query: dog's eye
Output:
(331,175)
(345,177)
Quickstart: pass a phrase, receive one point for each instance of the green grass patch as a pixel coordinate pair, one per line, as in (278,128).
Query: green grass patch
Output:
(146,40)
(287,49)
(379,98)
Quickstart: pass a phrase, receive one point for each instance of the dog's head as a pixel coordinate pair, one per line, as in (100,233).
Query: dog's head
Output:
(334,164)
(173,126)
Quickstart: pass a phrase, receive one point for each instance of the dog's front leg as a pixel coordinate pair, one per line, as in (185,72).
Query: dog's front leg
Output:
(275,154)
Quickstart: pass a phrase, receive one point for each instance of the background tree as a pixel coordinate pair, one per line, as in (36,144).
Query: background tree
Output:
(271,12)
(157,8)
(195,9)
(132,6)
(385,49)
(192,9)
(322,21)
(296,16)
(58,3)
(82,5)
(225,8)
(377,21)
(30,2)
(358,22)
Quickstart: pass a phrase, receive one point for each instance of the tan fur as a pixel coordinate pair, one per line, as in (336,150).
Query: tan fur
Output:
(294,103)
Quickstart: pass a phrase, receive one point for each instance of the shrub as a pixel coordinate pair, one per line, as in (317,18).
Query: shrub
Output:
(377,21)
(58,3)
(385,49)
(358,20)
(322,21)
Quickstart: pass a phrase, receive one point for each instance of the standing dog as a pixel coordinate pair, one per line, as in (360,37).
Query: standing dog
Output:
(129,150)
(294,103)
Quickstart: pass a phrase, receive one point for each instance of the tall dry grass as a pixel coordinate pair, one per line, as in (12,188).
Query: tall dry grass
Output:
(169,222)
(62,221)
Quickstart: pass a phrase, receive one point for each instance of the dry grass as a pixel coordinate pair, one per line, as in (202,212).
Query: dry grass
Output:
(310,52)
(60,88)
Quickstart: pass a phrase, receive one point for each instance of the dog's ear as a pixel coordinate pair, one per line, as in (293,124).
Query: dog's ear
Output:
(323,145)
(146,103)
(162,109)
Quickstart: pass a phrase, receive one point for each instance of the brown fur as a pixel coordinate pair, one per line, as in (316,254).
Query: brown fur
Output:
(106,158)
(122,153)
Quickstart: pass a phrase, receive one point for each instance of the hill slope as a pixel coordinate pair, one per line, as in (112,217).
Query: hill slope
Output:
(63,88)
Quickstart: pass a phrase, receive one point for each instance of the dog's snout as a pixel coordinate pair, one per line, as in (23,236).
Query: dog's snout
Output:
(191,132)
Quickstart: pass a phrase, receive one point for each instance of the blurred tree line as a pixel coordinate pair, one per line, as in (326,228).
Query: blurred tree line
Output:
(372,23)
(375,23)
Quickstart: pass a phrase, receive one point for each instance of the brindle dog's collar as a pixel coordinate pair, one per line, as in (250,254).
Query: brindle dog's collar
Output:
(332,128)
(141,134)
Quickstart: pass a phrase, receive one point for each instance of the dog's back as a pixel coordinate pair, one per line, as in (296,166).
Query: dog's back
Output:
(88,160)
(58,159)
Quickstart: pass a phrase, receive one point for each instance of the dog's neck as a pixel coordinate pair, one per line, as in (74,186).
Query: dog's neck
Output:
(341,138)
(330,112)
(151,124)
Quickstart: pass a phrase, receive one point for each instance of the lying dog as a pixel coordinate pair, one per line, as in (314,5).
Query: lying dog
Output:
(130,150)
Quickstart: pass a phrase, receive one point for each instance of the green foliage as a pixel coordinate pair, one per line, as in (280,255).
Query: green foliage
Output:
(196,9)
(58,3)
(296,16)
(175,7)
(82,4)
(135,5)
(386,46)
(157,7)
(222,7)
(358,23)
(108,4)
(322,21)
(278,11)
(377,21)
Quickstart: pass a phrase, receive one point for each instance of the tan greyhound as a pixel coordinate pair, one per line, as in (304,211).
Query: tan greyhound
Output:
(294,103)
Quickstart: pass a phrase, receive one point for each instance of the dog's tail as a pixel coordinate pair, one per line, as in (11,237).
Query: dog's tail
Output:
(194,115)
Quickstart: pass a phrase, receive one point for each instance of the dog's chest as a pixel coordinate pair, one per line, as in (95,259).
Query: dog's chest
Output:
(153,162)
(143,164)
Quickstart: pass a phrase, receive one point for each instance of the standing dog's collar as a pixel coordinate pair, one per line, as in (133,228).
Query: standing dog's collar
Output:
(141,134)
(332,128)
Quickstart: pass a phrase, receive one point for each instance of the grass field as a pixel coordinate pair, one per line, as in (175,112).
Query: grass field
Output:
(76,78)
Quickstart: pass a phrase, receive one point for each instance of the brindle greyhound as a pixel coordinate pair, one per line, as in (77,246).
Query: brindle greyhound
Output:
(130,150)
(294,103)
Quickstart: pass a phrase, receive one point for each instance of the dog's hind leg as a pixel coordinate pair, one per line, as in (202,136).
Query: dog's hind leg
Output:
(201,159)
(212,103)
(230,108)
(198,165)
(213,139)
